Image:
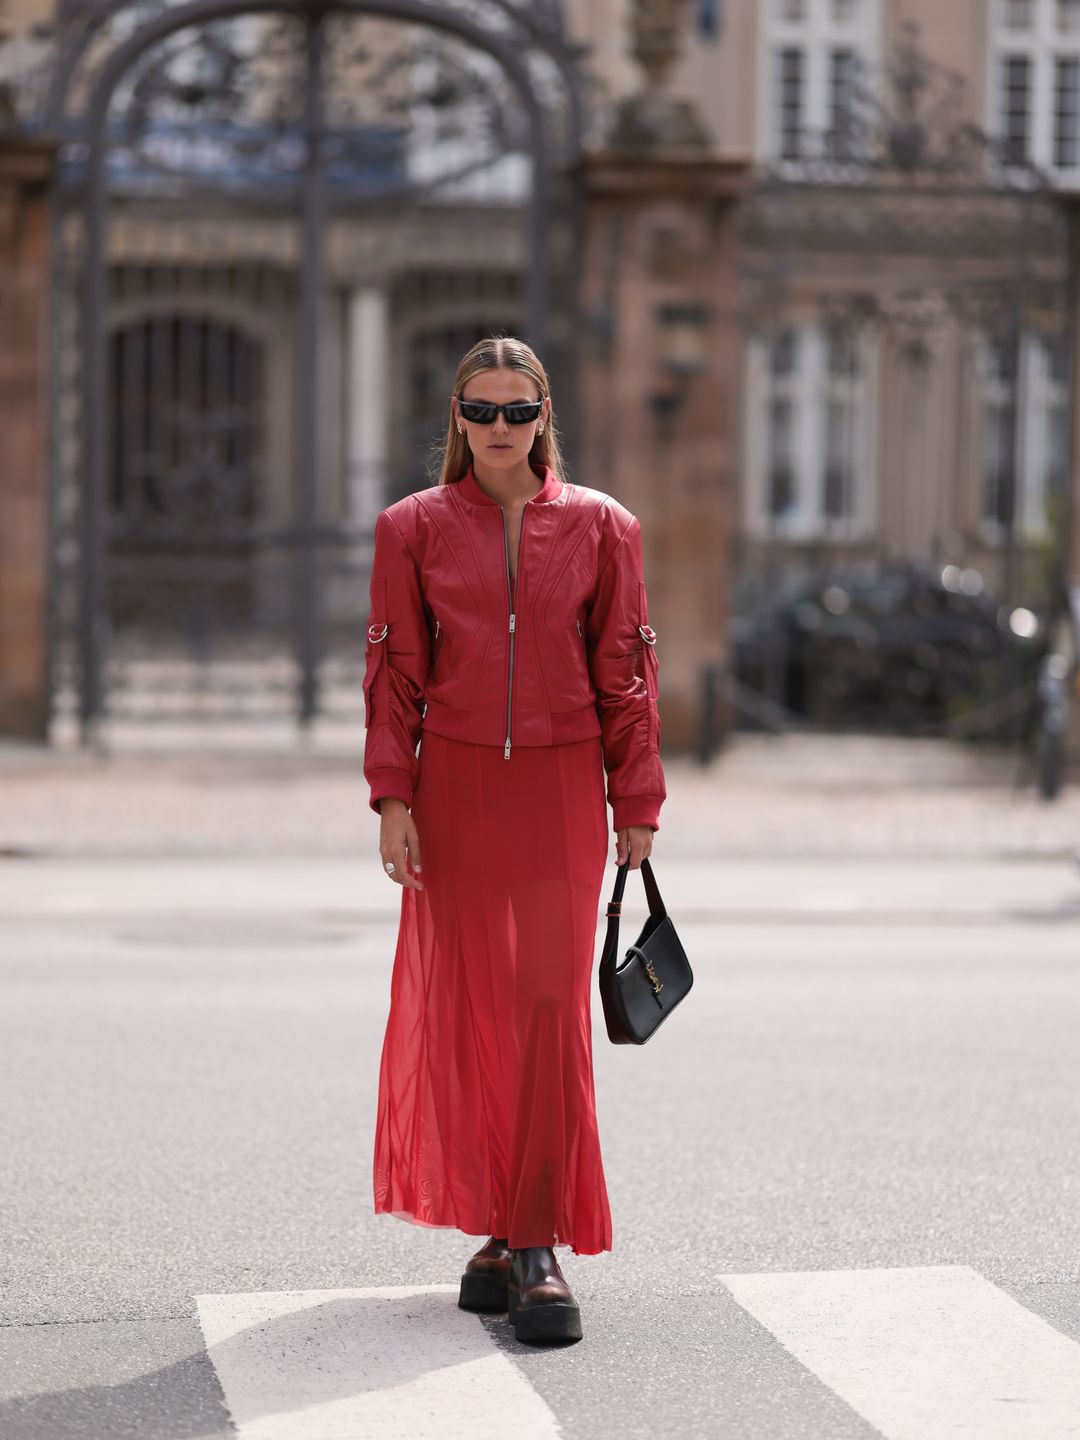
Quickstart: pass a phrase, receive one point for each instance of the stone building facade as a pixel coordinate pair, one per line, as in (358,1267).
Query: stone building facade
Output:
(890,440)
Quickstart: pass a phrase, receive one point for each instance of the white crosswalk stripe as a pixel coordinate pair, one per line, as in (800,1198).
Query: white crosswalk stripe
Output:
(388,1361)
(925,1353)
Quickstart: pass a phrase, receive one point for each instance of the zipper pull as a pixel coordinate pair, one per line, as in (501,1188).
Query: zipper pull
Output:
(513,622)
(577,622)
(436,627)
(506,749)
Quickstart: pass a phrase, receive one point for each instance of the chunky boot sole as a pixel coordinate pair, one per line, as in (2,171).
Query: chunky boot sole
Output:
(482,1292)
(553,1321)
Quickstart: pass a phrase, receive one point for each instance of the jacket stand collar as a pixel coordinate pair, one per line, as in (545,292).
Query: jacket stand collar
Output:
(469,488)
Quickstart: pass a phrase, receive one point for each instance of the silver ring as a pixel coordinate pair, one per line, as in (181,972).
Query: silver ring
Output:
(389,866)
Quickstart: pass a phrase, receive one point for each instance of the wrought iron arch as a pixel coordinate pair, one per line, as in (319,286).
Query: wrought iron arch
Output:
(541,22)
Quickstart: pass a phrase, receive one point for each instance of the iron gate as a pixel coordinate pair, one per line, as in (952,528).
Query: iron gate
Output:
(278,225)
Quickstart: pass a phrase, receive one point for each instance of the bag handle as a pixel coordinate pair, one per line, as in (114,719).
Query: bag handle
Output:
(652,894)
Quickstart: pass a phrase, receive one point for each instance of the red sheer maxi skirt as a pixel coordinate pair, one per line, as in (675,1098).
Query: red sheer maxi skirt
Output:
(486,1113)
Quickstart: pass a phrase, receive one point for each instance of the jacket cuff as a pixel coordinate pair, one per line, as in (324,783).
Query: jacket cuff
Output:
(390,783)
(636,810)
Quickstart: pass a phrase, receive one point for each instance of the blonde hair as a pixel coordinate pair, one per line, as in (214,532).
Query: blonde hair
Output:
(500,352)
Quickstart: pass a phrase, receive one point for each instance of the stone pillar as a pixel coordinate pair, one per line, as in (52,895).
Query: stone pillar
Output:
(660,363)
(26,168)
(368,420)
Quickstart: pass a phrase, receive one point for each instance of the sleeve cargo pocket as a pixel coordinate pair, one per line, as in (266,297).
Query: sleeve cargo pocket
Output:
(376,673)
(650,667)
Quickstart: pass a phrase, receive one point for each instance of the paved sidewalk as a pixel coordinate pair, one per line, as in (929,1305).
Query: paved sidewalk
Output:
(794,795)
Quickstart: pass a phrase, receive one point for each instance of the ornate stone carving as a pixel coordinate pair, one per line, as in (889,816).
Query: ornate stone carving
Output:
(655,117)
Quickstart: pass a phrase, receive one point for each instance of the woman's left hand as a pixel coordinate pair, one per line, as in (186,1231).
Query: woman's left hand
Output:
(635,840)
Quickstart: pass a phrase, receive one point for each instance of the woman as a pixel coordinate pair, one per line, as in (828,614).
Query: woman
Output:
(508,637)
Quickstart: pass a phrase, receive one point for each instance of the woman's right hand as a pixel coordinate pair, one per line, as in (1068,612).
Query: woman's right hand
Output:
(399,842)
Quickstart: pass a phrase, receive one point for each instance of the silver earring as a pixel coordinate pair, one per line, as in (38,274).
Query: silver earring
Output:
(540,431)
(460,431)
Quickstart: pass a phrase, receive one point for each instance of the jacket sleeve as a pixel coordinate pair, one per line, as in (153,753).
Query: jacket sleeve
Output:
(624,669)
(397,658)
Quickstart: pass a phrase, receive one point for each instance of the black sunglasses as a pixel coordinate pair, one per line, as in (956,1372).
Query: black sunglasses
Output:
(479,412)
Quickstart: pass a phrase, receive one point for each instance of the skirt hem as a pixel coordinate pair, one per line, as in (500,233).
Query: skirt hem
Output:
(411,1219)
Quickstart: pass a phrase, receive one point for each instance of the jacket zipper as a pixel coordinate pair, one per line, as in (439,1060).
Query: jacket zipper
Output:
(511,593)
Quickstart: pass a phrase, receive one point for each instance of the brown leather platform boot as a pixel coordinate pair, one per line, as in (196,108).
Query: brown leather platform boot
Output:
(541,1304)
(483,1285)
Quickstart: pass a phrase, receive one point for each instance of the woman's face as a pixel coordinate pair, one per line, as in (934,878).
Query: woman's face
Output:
(499,443)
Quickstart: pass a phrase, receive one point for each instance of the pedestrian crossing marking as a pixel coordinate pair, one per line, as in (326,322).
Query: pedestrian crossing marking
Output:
(924,1353)
(401,1362)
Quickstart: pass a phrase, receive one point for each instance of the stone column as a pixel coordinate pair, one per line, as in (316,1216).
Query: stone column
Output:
(660,362)
(26,168)
(368,391)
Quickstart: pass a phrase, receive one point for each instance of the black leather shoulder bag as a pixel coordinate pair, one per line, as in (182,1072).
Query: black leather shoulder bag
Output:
(641,992)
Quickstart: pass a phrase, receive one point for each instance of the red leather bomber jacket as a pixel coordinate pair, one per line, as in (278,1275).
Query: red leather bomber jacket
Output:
(562,652)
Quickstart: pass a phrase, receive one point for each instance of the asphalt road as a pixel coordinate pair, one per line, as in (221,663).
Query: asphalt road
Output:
(877,1071)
